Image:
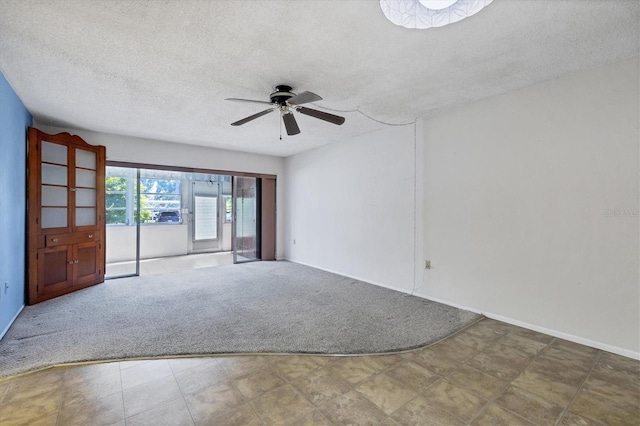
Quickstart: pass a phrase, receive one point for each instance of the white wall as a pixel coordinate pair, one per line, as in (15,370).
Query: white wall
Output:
(137,150)
(156,240)
(531,207)
(348,207)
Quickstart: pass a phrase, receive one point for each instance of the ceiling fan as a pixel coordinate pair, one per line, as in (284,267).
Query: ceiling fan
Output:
(285,101)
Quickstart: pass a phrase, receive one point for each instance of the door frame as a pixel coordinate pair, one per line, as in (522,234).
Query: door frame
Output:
(257,220)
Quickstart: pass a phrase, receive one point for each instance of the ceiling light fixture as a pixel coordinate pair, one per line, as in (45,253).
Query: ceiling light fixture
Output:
(423,14)
(437,4)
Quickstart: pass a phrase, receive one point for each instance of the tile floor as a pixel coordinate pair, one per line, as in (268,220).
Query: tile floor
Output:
(162,265)
(489,374)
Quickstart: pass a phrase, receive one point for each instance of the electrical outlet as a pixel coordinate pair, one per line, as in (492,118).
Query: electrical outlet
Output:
(294,241)
(427,264)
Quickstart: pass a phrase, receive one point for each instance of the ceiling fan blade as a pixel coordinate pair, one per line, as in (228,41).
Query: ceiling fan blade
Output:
(290,124)
(248,100)
(335,119)
(304,98)
(252,117)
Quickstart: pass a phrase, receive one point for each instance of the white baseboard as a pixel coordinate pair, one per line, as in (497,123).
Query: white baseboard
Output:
(455,305)
(555,333)
(11,322)
(402,290)
(576,339)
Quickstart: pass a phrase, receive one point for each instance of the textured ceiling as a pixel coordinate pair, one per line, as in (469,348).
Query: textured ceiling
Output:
(161,69)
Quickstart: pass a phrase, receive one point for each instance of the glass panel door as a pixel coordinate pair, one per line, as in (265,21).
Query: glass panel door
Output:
(245,241)
(85,188)
(205,218)
(54,187)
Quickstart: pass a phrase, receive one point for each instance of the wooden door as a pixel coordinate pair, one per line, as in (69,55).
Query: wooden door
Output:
(65,215)
(268,219)
(85,262)
(55,269)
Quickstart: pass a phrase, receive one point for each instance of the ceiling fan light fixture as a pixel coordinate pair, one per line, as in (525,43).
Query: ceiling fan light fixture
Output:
(422,14)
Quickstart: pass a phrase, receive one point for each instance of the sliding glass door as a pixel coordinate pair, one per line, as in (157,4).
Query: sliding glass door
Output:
(245,212)
(156,214)
(122,185)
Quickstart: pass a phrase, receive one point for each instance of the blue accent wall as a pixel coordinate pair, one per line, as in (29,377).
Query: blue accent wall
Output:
(14,120)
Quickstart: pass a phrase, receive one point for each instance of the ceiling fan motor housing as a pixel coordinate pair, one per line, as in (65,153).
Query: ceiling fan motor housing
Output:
(286,103)
(282,93)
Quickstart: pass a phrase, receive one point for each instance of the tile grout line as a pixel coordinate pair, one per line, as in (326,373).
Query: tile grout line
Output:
(61,403)
(421,394)
(499,393)
(124,413)
(352,387)
(231,380)
(443,377)
(383,371)
(295,388)
(184,399)
(248,400)
(593,365)
(5,391)
(482,409)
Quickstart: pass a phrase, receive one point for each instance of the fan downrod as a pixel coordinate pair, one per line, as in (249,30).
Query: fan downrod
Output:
(282,93)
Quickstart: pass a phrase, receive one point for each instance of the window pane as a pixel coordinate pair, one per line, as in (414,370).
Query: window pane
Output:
(86,198)
(85,216)
(160,200)
(116,216)
(86,178)
(54,196)
(160,186)
(54,217)
(115,184)
(54,175)
(116,197)
(228,208)
(115,200)
(85,159)
(54,153)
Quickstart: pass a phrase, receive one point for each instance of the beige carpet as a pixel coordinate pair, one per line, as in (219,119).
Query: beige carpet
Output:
(279,307)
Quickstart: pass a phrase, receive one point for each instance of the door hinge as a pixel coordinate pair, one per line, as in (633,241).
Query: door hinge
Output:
(37,220)
(37,289)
